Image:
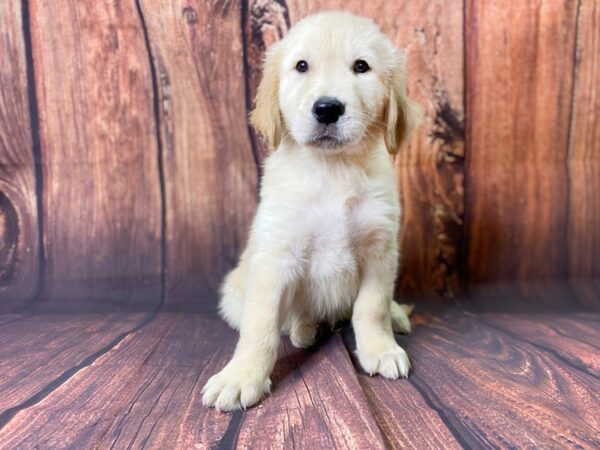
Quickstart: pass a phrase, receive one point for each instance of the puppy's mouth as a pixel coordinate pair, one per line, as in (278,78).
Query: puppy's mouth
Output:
(327,137)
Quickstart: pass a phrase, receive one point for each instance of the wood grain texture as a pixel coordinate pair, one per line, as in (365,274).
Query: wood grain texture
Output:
(317,402)
(585,126)
(19,236)
(8,317)
(265,22)
(112,182)
(406,418)
(584,164)
(572,384)
(491,389)
(81,415)
(581,327)
(149,388)
(518,140)
(542,332)
(477,381)
(209,169)
(38,353)
(584,231)
(430,170)
(162,405)
(101,200)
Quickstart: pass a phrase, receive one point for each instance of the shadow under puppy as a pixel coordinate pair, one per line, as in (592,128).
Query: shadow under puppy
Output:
(324,242)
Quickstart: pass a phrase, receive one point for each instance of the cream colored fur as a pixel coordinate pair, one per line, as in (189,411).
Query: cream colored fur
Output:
(323,245)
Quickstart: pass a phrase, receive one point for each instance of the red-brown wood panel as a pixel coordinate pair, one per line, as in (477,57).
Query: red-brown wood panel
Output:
(480,385)
(430,169)
(55,346)
(147,391)
(519,92)
(407,419)
(101,199)
(209,169)
(542,331)
(585,124)
(316,402)
(19,236)
(264,23)
(584,164)
(584,231)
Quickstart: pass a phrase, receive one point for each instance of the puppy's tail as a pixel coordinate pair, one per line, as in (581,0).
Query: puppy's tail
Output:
(400,320)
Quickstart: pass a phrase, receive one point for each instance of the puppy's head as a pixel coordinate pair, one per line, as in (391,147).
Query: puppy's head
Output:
(334,83)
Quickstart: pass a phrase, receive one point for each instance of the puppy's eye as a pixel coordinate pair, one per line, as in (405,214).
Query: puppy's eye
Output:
(361,66)
(302,66)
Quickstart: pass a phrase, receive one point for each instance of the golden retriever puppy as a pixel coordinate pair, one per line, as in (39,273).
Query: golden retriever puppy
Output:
(323,246)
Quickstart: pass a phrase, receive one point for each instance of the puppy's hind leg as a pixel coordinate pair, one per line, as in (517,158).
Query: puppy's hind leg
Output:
(303,331)
(400,320)
(233,291)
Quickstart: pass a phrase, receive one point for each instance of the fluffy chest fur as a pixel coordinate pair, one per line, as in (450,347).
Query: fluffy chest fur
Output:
(319,218)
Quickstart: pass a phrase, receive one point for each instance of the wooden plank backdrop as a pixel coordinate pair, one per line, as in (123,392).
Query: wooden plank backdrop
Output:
(583,228)
(210,174)
(19,223)
(101,186)
(125,148)
(520,76)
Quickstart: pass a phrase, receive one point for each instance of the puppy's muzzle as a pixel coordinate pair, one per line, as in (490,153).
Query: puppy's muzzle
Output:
(328,110)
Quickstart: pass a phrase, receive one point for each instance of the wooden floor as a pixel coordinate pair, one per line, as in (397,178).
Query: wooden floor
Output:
(133,380)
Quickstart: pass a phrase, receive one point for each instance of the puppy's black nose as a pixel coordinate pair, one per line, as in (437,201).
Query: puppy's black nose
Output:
(327,110)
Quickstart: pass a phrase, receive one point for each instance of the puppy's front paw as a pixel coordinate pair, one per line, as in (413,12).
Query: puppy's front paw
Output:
(234,388)
(390,361)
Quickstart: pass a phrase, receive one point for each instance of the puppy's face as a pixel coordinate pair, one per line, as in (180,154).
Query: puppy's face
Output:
(333,83)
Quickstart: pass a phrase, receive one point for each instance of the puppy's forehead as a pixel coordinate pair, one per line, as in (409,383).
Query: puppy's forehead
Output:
(334,21)
(334,34)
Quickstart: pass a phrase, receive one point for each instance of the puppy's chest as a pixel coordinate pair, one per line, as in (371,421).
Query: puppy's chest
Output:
(341,230)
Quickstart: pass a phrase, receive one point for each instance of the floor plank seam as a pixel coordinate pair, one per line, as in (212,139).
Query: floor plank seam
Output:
(568,336)
(13,320)
(465,437)
(7,415)
(550,395)
(158,419)
(229,439)
(370,405)
(149,412)
(119,423)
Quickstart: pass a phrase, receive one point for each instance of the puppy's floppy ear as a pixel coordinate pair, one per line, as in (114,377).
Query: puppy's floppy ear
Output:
(401,114)
(266,117)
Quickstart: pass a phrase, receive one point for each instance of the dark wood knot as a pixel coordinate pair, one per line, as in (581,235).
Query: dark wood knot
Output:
(190,14)
(9,239)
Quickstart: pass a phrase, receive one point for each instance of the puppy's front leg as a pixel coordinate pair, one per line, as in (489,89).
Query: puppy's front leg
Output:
(376,347)
(245,379)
